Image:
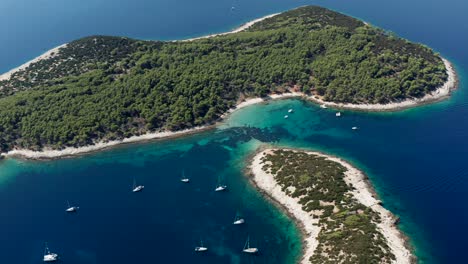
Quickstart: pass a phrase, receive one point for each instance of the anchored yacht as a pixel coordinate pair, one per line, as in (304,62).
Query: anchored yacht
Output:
(48,256)
(248,249)
(137,188)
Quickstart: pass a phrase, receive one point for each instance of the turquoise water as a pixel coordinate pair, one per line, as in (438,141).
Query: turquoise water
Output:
(415,158)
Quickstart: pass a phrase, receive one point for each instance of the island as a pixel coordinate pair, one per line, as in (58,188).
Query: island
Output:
(341,218)
(100,91)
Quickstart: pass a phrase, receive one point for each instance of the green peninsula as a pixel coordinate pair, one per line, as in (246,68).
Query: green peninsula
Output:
(342,220)
(103,88)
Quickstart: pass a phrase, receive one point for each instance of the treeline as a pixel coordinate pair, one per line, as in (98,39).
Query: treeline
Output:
(118,87)
(77,57)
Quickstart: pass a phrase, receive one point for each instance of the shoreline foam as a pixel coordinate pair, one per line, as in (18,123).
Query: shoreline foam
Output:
(363,192)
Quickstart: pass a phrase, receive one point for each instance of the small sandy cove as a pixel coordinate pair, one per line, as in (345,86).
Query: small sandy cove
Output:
(363,193)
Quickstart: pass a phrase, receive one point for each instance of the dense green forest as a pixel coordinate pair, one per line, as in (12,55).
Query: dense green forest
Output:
(348,229)
(104,88)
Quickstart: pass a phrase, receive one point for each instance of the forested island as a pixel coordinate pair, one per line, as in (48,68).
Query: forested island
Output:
(342,221)
(102,88)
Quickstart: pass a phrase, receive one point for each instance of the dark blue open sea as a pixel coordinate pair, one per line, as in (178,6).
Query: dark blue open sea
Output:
(417,159)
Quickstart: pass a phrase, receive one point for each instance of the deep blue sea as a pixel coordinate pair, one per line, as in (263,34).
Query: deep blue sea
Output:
(417,159)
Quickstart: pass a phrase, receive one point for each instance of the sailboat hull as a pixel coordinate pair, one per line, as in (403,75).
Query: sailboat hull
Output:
(50,257)
(239,222)
(138,188)
(201,249)
(250,250)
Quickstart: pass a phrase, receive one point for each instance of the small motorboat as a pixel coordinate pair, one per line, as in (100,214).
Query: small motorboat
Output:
(290,111)
(286,117)
(338,114)
(354,128)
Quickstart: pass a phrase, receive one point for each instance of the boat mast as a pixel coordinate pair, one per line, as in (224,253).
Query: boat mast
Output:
(247,243)
(46,250)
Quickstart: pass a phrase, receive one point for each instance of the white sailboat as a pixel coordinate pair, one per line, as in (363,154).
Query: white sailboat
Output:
(184,179)
(71,209)
(48,256)
(137,188)
(354,128)
(338,114)
(220,187)
(238,220)
(201,248)
(286,117)
(290,111)
(248,249)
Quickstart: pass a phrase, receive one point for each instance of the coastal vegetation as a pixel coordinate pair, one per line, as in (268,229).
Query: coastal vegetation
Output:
(348,230)
(104,88)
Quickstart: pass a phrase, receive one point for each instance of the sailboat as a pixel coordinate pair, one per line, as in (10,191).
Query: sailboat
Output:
(238,220)
(286,117)
(248,249)
(338,114)
(49,257)
(184,179)
(71,209)
(137,188)
(201,248)
(354,128)
(220,187)
(290,110)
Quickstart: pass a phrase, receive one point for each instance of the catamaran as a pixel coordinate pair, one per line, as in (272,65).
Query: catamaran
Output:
(49,257)
(184,179)
(201,248)
(137,188)
(338,114)
(220,187)
(71,209)
(248,249)
(238,220)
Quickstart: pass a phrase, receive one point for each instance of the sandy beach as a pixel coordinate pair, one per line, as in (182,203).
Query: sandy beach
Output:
(72,151)
(441,93)
(239,29)
(363,193)
(47,55)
